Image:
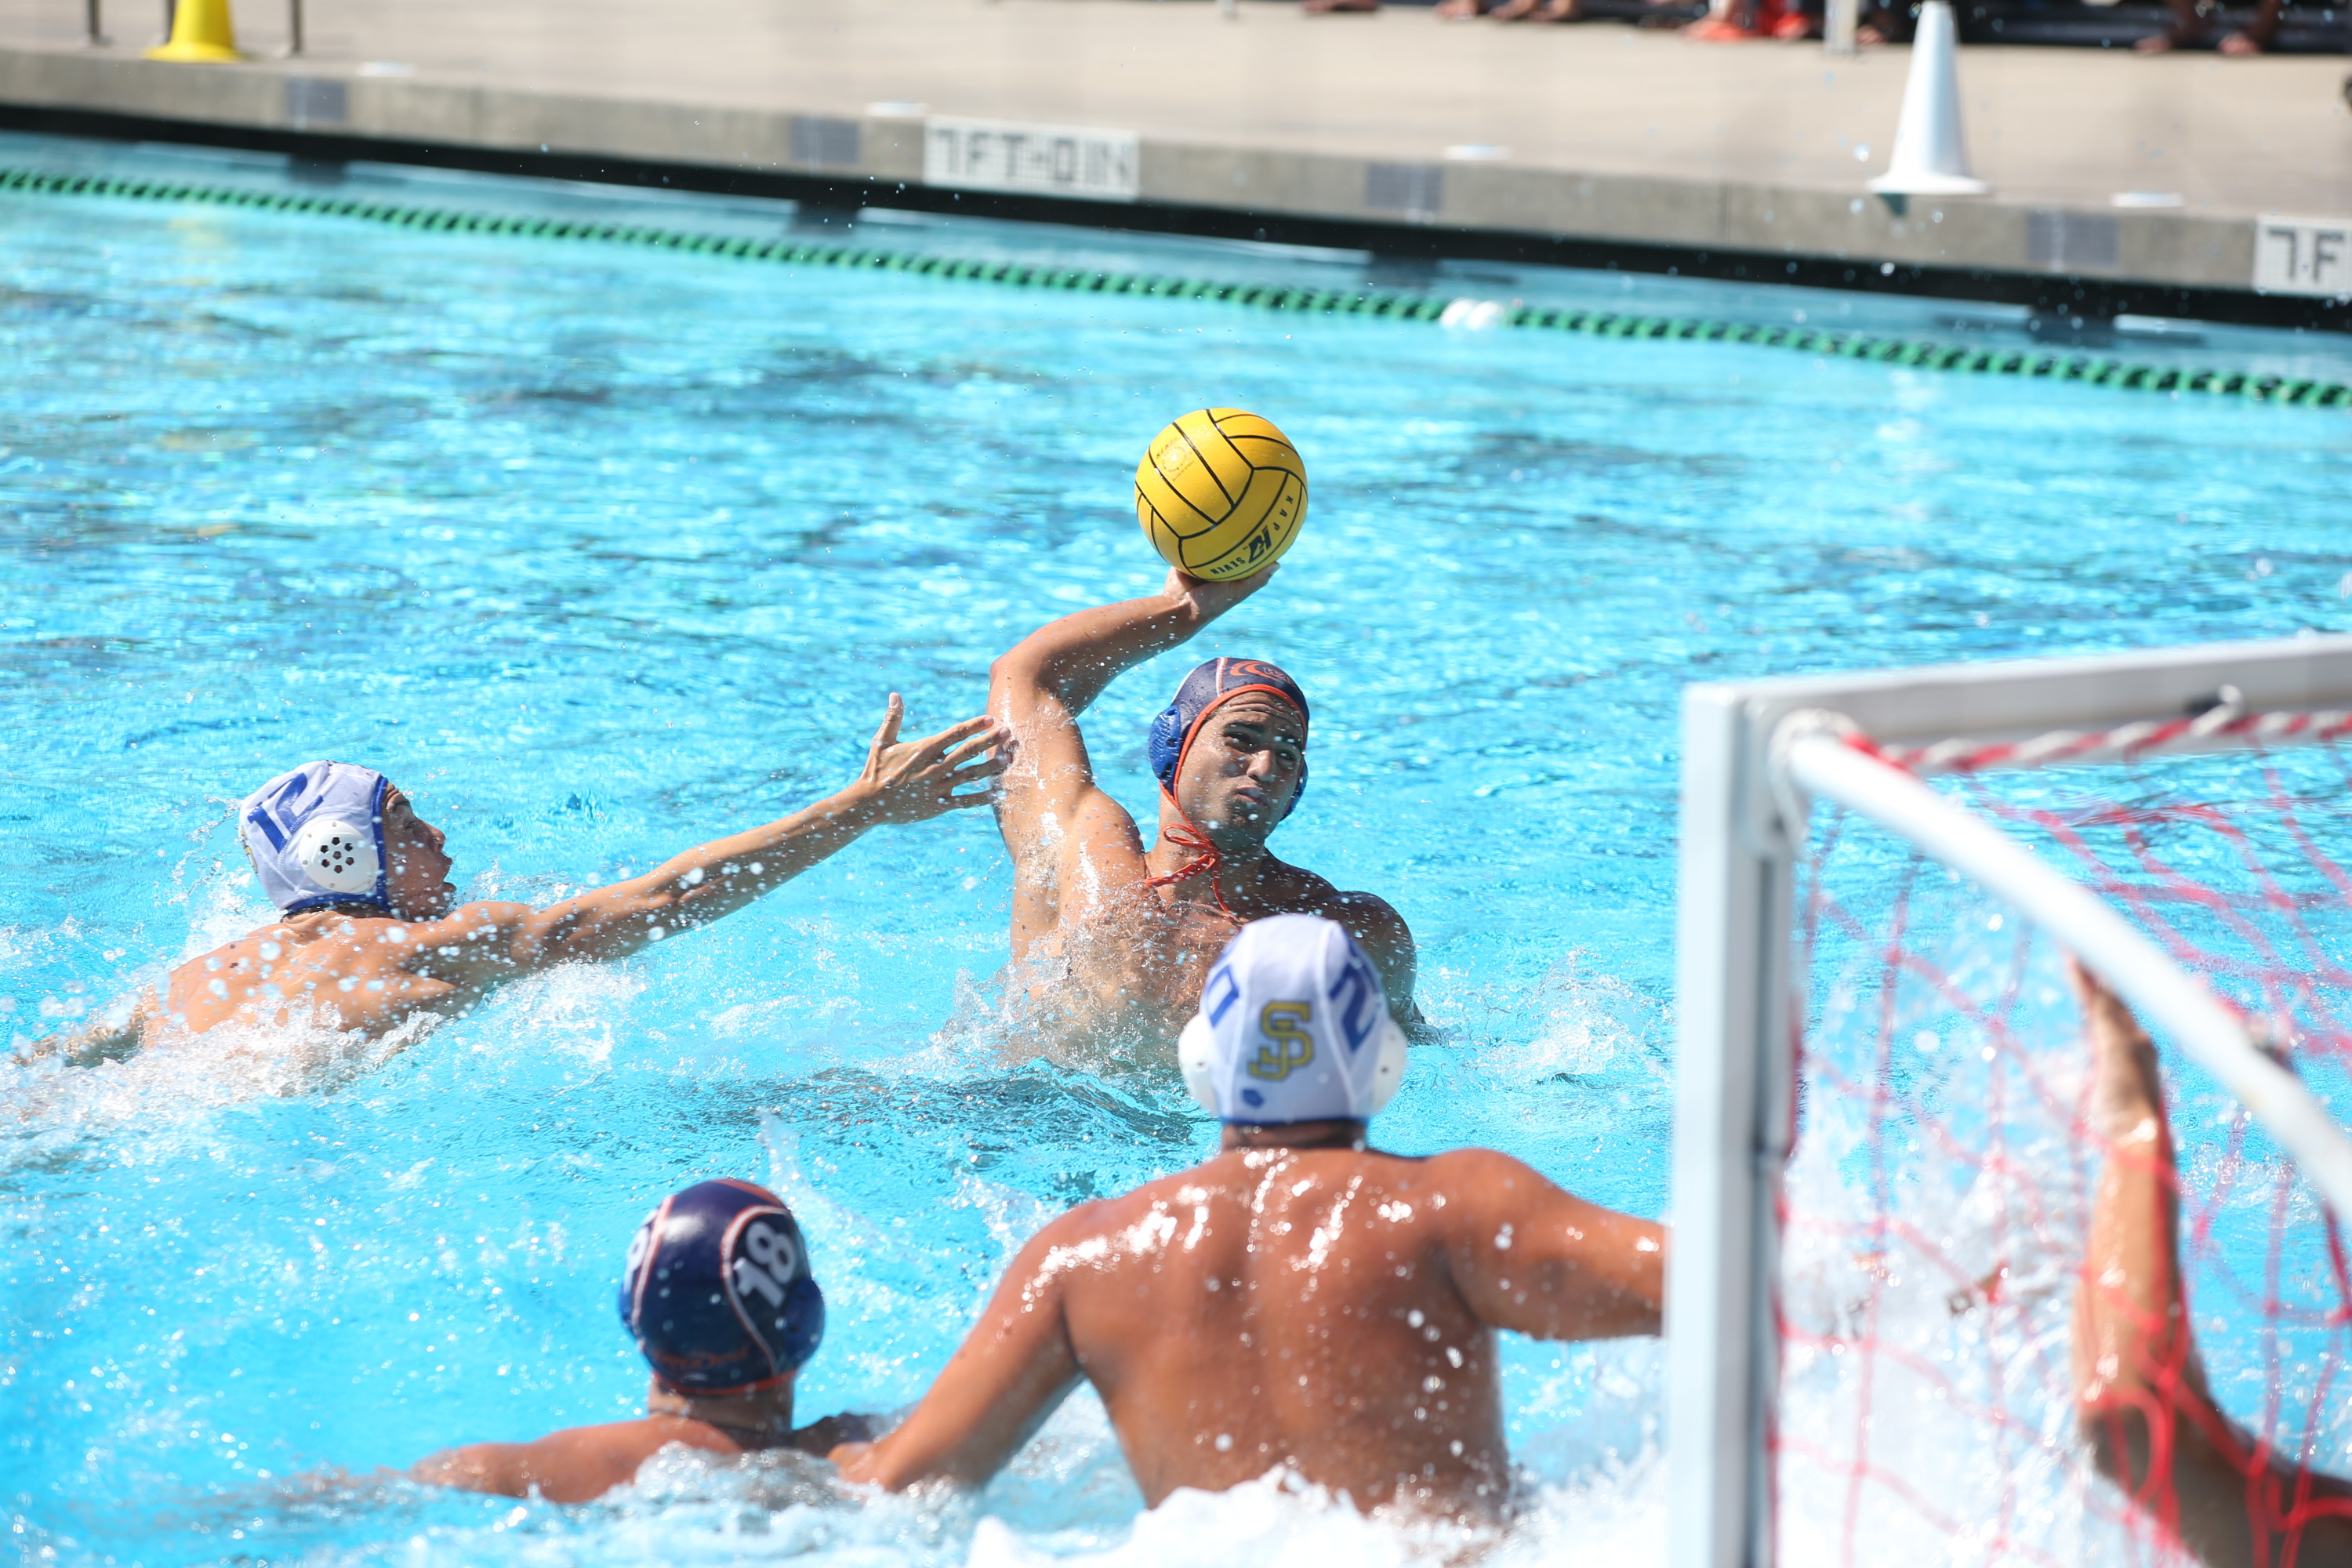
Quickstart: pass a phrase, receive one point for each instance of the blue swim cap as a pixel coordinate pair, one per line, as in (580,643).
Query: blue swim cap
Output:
(316,836)
(1202,692)
(718,1291)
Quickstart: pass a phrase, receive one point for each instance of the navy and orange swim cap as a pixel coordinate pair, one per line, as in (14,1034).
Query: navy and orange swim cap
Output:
(718,1291)
(1204,691)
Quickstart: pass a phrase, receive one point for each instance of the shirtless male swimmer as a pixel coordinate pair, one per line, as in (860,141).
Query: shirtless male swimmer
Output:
(1299,1300)
(720,1297)
(368,937)
(1113,938)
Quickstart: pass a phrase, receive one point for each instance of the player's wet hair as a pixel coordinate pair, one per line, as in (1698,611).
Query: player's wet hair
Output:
(718,1291)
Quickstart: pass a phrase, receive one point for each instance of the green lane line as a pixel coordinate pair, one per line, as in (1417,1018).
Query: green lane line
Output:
(1907,353)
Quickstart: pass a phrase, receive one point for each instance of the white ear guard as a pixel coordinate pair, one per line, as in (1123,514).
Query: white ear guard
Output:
(1194,1055)
(338,855)
(1388,1072)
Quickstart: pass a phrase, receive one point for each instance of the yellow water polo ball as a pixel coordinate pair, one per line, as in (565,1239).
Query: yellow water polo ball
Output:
(1220,493)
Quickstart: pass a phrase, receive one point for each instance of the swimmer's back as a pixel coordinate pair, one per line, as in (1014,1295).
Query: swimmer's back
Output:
(1327,1309)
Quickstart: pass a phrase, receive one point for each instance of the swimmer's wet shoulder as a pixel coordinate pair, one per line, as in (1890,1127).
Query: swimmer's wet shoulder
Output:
(1299,1298)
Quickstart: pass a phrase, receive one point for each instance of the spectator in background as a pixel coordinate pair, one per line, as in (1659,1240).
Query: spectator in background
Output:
(1540,11)
(1554,11)
(1792,21)
(2141,1398)
(2191,25)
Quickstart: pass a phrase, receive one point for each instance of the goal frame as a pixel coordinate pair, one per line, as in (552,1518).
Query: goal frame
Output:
(1743,824)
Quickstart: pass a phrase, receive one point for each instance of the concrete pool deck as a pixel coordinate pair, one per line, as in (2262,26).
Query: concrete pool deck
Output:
(1585,141)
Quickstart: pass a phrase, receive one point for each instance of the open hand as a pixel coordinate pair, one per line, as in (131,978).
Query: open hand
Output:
(914,780)
(2129,1093)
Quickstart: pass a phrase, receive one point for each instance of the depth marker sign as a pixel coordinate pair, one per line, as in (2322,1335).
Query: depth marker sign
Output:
(2303,255)
(1035,159)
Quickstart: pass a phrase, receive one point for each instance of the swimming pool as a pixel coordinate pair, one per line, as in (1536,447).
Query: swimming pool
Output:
(603,551)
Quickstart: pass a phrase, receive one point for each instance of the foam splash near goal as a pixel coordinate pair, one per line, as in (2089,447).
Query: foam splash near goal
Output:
(1939,1190)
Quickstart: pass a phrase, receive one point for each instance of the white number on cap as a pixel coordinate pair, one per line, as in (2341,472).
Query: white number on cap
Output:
(750,1277)
(772,1248)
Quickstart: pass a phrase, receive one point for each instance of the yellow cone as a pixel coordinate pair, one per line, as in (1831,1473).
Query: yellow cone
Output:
(201,33)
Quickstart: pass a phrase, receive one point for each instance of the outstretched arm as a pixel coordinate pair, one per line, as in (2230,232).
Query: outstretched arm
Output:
(2141,1396)
(1038,689)
(109,1037)
(574,1465)
(908,781)
(1530,1257)
(1009,1373)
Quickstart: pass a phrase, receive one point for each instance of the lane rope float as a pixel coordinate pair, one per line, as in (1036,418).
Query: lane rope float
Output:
(1918,353)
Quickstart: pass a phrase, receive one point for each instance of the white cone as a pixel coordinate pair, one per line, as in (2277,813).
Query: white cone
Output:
(1931,158)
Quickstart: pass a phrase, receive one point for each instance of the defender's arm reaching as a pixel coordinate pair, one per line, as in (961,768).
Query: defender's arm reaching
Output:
(1012,1372)
(901,782)
(912,782)
(114,1034)
(368,938)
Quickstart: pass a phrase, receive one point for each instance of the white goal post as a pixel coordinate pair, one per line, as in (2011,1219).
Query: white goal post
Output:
(1753,756)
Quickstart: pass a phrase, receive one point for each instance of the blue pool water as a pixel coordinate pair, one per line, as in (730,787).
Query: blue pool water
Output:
(602,552)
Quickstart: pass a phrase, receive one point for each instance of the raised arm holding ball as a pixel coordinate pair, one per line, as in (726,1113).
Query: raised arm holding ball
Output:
(1110,939)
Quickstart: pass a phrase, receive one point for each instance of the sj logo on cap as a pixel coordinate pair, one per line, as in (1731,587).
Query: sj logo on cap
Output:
(1287,1046)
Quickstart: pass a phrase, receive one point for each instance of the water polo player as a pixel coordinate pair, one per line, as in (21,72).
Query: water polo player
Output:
(1109,939)
(719,1295)
(367,938)
(1299,1300)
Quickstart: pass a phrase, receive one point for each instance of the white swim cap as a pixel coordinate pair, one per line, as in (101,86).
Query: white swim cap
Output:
(316,835)
(1293,1027)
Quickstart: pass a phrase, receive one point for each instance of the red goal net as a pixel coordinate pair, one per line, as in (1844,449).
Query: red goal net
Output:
(1938,1191)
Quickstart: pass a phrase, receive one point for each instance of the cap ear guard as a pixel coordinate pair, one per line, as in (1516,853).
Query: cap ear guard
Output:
(1165,743)
(338,855)
(1195,1053)
(1388,1073)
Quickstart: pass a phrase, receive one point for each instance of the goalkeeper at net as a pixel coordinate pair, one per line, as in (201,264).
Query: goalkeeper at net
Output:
(2141,1395)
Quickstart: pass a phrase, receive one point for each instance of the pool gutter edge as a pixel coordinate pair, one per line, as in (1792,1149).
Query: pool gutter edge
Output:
(2166,263)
